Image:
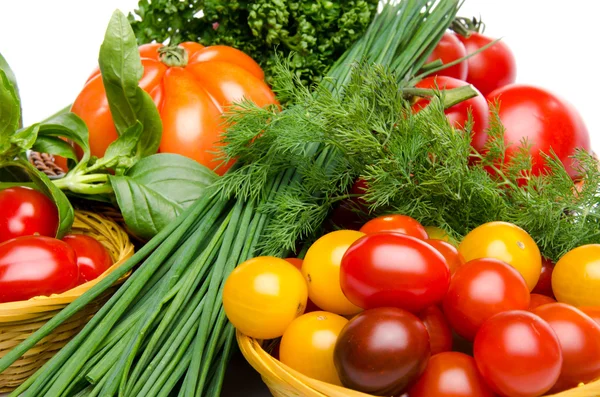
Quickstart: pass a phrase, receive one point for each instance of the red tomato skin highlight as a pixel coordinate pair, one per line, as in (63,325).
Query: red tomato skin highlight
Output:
(518,354)
(395,270)
(480,289)
(449,49)
(25,212)
(93,258)
(492,68)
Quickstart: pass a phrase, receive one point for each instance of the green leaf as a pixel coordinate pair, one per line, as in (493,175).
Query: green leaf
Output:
(23,139)
(121,69)
(55,146)
(13,81)
(157,189)
(10,112)
(69,126)
(13,174)
(121,153)
(45,185)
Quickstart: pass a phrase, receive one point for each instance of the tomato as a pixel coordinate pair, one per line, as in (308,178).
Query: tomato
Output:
(36,266)
(263,295)
(93,258)
(458,114)
(451,374)
(393,269)
(478,290)
(592,311)
(544,284)
(453,258)
(25,212)
(395,223)
(310,306)
(549,123)
(190,97)
(507,242)
(440,334)
(579,338)
(537,300)
(382,351)
(492,68)
(576,276)
(518,354)
(321,269)
(436,233)
(307,345)
(450,49)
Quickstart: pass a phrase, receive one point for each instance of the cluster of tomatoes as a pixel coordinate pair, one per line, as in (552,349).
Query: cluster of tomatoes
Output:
(379,311)
(33,262)
(526,112)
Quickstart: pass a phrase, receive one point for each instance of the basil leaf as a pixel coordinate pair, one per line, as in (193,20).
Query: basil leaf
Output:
(10,112)
(23,139)
(54,146)
(121,69)
(157,189)
(45,185)
(69,126)
(121,153)
(13,81)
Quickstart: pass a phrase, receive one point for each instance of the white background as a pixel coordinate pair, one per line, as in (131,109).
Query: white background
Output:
(52,45)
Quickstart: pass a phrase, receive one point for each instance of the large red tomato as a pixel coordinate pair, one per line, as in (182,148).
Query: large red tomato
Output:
(518,354)
(34,266)
(93,258)
(492,68)
(459,113)
(393,269)
(478,290)
(547,122)
(450,49)
(451,374)
(190,98)
(579,338)
(25,212)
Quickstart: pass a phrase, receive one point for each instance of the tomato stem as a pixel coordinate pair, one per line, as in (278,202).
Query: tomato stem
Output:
(450,97)
(173,56)
(85,184)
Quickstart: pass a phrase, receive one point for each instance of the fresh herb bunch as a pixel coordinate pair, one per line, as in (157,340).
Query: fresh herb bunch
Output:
(316,32)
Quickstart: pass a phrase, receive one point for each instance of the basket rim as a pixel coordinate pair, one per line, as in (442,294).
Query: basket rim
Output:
(40,304)
(275,372)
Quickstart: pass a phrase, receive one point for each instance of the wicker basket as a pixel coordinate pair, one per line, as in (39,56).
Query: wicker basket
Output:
(18,320)
(283,381)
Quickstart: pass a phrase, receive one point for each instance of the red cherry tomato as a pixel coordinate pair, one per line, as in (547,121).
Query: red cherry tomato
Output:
(395,223)
(93,258)
(518,354)
(451,374)
(547,122)
(393,269)
(310,305)
(382,351)
(25,212)
(579,338)
(35,266)
(492,68)
(459,114)
(450,252)
(544,284)
(478,290)
(593,312)
(537,300)
(440,334)
(449,49)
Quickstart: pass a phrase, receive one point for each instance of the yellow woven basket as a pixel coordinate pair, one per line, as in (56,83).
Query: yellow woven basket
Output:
(283,381)
(20,319)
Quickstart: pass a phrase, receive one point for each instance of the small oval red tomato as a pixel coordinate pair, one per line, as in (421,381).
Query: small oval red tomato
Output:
(450,49)
(450,253)
(544,284)
(478,290)
(25,212)
(492,68)
(451,374)
(549,123)
(518,354)
(393,269)
(537,300)
(592,311)
(440,334)
(93,258)
(579,338)
(35,266)
(395,223)
(458,114)
(382,351)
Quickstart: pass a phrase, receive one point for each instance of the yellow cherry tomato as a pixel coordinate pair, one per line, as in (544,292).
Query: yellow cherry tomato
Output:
(436,233)
(263,295)
(321,269)
(308,343)
(508,243)
(576,276)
